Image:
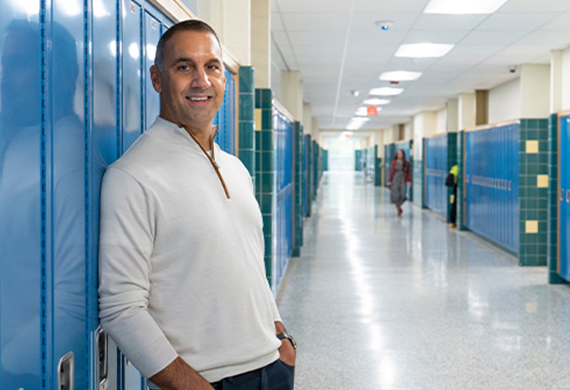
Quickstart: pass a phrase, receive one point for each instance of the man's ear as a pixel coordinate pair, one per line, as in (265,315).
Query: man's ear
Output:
(155,77)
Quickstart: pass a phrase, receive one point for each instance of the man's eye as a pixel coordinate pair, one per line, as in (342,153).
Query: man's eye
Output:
(213,67)
(183,67)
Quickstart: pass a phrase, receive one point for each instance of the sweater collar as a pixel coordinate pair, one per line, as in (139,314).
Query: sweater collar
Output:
(174,128)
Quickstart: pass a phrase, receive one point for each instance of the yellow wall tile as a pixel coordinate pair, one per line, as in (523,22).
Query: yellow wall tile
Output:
(542,181)
(258,119)
(532,146)
(531,227)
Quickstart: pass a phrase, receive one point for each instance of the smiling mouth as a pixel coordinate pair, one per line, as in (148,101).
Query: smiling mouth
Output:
(198,99)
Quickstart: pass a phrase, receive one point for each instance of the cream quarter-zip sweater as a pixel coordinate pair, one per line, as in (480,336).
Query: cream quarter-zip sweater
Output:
(181,265)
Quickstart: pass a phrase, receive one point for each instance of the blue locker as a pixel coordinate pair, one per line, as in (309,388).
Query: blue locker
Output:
(304,175)
(283,167)
(152,28)
(225,118)
(491,172)
(132,73)
(388,157)
(435,160)
(105,140)
(564,198)
(66,287)
(23,254)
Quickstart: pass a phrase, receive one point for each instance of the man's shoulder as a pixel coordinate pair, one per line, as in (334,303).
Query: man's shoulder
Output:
(145,150)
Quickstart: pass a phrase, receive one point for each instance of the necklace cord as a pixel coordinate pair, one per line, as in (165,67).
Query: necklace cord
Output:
(212,158)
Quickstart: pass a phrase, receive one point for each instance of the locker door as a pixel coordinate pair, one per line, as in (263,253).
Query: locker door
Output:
(67,279)
(466,181)
(492,221)
(427,172)
(132,73)
(133,120)
(564,198)
(561,196)
(515,184)
(20,199)
(152,99)
(105,150)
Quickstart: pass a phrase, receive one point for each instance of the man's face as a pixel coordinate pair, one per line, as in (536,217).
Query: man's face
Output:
(191,82)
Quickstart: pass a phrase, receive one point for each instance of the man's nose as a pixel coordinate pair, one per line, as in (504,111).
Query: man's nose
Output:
(201,79)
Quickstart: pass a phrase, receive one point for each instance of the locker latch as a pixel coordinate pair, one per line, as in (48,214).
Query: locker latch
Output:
(102,344)
(66,372)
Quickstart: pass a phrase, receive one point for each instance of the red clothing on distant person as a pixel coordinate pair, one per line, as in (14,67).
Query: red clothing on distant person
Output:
(406,169)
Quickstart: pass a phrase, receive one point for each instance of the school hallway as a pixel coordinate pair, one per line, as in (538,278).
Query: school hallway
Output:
(378,302)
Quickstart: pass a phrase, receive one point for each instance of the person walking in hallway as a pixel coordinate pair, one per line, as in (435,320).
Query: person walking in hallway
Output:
(183,290)
(399,175)
(451,181)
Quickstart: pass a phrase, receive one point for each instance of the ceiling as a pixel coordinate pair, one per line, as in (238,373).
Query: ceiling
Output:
(336,47)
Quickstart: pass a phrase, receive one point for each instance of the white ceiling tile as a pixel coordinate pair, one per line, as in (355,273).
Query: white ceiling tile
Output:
(516,21)
(529,50)
(543,59)
(276,24)
(558,23)
(390,5)
(370,39)
(436,36)
(533,6)
(492,37)
(317,38)
(448,22)
(312,6)
(324,51)
(280,38)
(403,21)
(549,40)
(324,21)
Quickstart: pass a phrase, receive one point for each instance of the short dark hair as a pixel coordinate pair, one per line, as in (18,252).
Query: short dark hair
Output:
(186,25)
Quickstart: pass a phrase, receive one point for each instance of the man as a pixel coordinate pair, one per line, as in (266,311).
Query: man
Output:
(182,288)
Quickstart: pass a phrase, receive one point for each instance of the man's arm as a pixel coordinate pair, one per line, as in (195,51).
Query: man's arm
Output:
(286,351)
(125,246)
(180,376)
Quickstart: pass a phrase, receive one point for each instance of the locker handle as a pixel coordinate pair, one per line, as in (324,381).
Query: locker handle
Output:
(562,195)
(567,196)
(102,345)
(66,372)
(510,185)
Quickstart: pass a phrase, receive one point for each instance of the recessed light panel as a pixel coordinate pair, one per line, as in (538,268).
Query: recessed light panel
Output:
(459,7)
(400,75)
(356,123)
(423,50)
(376,102)
(385,91)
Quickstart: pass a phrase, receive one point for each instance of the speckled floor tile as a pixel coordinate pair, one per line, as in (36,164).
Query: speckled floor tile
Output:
(378,302)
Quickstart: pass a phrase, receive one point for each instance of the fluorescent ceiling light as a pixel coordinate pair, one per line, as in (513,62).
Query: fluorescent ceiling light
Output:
(361,111)
(376,102)
(423,50)
(356,123)
(463,6)
(400,75)
(385,91)
(361,115)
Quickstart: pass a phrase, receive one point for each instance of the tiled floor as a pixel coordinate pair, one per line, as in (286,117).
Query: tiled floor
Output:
(382,303)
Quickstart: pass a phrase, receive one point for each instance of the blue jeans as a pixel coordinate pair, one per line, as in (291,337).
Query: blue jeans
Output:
(276,376)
